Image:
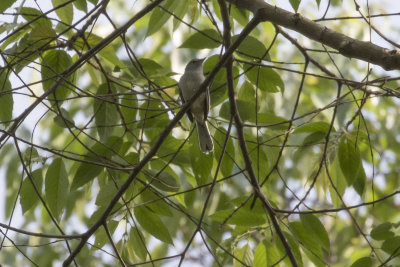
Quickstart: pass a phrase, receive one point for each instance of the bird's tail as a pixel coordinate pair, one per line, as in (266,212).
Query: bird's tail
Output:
(205,141)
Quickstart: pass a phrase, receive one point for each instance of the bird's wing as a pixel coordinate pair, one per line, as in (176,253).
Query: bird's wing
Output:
(188,113)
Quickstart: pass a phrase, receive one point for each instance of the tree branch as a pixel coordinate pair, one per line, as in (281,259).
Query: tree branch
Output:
(85,236)
(242,140)
(347,46)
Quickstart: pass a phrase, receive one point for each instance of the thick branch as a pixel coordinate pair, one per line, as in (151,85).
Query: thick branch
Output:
(347,46)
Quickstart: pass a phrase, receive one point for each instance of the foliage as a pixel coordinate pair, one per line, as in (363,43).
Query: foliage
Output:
(96,159)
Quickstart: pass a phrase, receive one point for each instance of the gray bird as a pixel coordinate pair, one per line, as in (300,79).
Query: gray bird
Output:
(188,85)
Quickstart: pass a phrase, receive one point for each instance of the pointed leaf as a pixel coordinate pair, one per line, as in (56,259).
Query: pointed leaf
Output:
(152,224)
(84,174)
(382,231)
(163,181)
(105,112)
(28,195)
(4,4)
(30,14)
(295,4)
(54,62)
(66,12)
(201,163)
(227,161)
(314,227)
(137,244)
(6,98)
(241,217)
(362,262)
(159,16)
(207,38)
(260,255)
(349,159)
(157,205)
(57,187)
(106,193)
(319,126)
(251,47)
(391,245)
(101,235)
(245,254)
(265,79)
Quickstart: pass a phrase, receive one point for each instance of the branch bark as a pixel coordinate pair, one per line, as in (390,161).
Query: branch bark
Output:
(347,46)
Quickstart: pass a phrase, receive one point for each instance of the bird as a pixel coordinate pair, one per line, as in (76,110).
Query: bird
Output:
(188,84)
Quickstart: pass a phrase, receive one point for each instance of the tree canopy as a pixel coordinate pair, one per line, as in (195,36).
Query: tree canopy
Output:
(101,167)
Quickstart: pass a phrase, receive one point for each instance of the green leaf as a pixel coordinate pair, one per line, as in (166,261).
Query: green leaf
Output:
(245,254)
(57,187)
(313,138)
(54,62)
(129,107)
(65,13)
(248,113)
(360,181)
(105,111)
(6,98)
(382,231)
(151,69)
(81,5)
(159,16)
(312,246)
(64,120)
(362,262)
(162,181)
(208,38)
(28,195)
(152,224)
(260,255)
(108,52)
(42,34)
(319,126)
(180,12)
(265,79)
(153,118)
(4,4)
(251,47)
(266,254)
(229,157)
(101,235)
(30,14)
(338,181)
(137,244)
(240,15)
(295,4)
(294,245)
(110,148)
(84,174)
(241,217)
(157,205)
(201,171)
(314,227)
(86,171)
(349,159)
(106,193)
(391,245)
